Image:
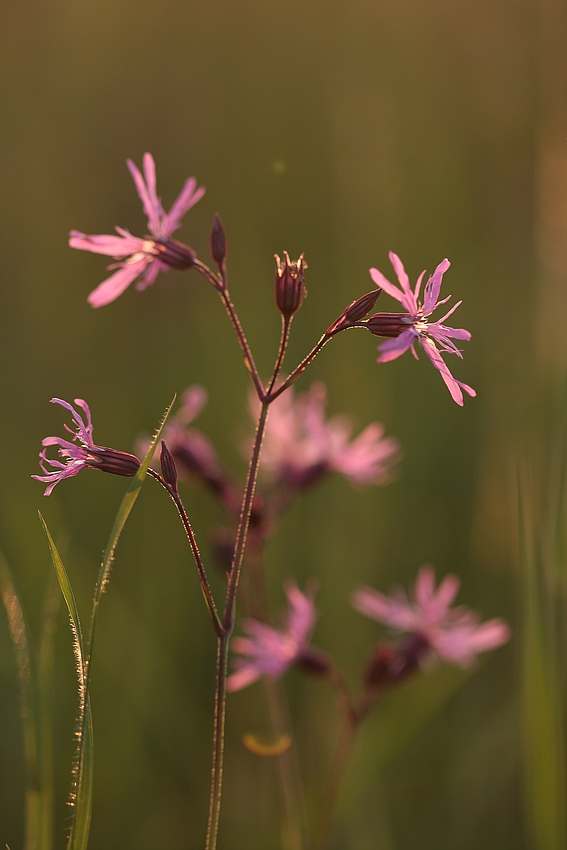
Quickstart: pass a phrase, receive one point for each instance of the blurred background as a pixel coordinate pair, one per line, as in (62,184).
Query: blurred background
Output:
(344,130)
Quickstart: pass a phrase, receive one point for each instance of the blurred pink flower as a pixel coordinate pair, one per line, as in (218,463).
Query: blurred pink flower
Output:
(143,258)
(415,326)
(301,444)
(82,452)
(454,634)
(270,652)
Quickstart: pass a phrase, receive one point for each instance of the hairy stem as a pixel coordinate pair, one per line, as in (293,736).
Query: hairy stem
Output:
(203,580)
(218,742)
(273,394)
(221,286)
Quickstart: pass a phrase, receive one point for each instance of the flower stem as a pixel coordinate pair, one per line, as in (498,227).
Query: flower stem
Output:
(337,771)
(294,828)
(218,742)
(203,580)
(227,627)
(273,394)
(221,286)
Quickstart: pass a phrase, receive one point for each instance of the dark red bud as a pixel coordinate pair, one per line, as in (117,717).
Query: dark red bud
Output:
(290,284)
(313,662)
(391,664)
(355,311)
(218,241)
(168,467)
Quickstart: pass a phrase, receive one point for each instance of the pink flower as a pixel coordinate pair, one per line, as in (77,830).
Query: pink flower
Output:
(301,444)
(415,325)
(454,634)
(82,452)
(142,258)
(269,651)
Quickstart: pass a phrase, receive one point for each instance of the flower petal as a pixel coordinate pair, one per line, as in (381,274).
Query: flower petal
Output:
(393,348)
(186,199)
(453,385)
(117,283)
(381,281)
(118,247)
(151,210)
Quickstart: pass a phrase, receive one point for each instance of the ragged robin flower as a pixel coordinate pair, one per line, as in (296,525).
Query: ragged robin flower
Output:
(301,444)
(142,258)
(435,628)
(269,651)
(405,329)
(81,452)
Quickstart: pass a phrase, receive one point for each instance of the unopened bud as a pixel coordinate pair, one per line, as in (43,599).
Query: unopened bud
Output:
(355,311)
(313,662)
(391,664)
(168,467)
(218,241)
(172,253)
(290,285)
(388,324)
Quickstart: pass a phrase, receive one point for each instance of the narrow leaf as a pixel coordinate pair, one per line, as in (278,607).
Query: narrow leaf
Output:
(45,690)
(82,775)
(124,512)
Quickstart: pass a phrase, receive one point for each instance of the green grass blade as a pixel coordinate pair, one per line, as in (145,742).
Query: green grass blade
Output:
(18,634)
(82,774)
(45,688)
(123,514)
(542,697)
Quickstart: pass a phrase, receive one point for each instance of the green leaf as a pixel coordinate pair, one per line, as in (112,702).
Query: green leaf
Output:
(82,777)
(123,514)
(45,689)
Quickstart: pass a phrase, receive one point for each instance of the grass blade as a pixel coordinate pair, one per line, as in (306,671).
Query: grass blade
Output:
(122,515)
(541,527)
(82,773)
(45,687)
(18,634)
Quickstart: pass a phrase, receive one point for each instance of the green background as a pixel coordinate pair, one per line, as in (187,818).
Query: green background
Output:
(344,130)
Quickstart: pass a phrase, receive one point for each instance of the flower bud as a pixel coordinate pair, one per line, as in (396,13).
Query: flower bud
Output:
(218,241)
(355,311)
(290,285)
(391,664)
(313,662)
(172,253)
(168,467)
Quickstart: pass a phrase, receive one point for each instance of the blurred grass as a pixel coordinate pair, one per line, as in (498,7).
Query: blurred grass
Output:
(543,529)
(343,130)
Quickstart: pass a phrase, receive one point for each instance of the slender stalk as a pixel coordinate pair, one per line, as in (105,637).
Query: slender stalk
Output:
(273,394)
(290,784)
(284,339)
(222,289)
(218,742)
(205,586)
(294,828)
(337,771)
(234,577)
(244,521)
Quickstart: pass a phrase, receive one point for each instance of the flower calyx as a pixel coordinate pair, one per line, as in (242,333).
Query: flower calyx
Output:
(290,284)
